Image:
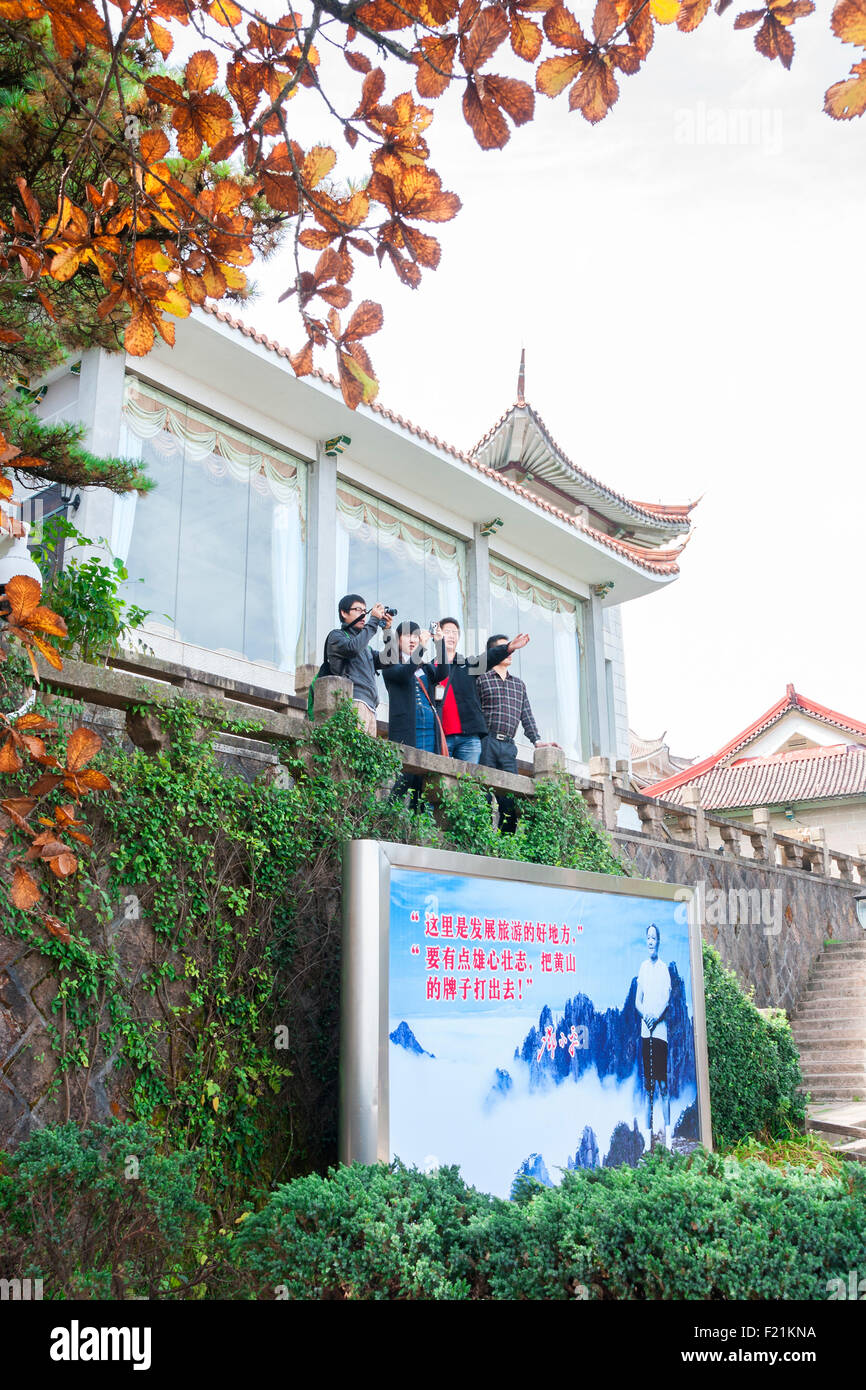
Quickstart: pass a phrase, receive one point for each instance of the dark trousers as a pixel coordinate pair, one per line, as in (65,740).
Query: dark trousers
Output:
(502,754)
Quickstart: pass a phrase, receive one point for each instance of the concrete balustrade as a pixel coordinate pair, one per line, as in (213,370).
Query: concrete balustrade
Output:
(132,681)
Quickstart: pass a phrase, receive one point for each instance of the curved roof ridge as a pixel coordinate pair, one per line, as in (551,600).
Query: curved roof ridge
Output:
(654,513)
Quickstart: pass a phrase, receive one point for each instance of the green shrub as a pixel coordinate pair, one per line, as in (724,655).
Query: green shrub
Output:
(675,1227)
(754,1065)
(101,1213)
(86,594)
(363,1233)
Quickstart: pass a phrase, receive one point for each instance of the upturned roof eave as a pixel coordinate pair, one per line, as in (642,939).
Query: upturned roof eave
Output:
(654,517)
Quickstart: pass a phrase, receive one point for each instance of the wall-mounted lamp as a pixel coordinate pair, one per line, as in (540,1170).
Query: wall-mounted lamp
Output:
(789,812)
(70,497)
(335,446)
(602,590)
(489,528)
(860,905)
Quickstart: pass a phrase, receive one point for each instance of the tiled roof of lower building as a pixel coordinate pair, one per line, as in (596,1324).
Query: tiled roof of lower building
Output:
(807,774)
(791,700)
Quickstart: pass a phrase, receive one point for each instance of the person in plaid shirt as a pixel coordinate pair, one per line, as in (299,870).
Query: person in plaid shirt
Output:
(505,704)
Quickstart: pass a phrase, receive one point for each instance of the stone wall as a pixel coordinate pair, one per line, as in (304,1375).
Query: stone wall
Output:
(766,902)
(768,923)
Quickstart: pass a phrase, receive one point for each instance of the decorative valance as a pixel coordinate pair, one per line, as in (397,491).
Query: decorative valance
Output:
(530,592)
(379,521)
(177,428)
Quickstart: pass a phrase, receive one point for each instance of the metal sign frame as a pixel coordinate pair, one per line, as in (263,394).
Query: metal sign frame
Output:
(367,865)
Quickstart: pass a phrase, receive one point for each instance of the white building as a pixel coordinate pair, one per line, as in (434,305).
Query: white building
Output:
(273,499)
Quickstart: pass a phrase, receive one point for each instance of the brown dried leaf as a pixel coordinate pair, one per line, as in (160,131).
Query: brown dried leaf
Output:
(83,745)
(25,891)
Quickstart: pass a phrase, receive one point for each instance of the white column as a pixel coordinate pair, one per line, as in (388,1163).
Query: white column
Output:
(478,617)
(321,596)
(100,409)
(596,695)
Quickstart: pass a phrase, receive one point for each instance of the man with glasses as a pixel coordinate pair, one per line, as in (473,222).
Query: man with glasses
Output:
(348,654)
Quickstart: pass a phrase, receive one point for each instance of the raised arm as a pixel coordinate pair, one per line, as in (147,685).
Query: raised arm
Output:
(347,644)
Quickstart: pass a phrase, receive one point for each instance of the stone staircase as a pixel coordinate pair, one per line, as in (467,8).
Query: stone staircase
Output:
(829,1029)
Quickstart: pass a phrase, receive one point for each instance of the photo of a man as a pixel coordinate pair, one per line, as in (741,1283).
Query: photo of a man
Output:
(651,1001)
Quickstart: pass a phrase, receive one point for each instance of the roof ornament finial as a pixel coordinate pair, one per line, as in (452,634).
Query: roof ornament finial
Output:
(521,379)
(791,694)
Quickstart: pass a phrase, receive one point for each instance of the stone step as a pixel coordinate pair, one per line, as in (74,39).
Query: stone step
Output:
(838,1070)
(818,1057)
(854,1148)
(840,961)
(833,1041)
(823,1029)
(844,948)
(835,989)
(829,1008)
(828,1090)
(816,1079)
(828,974)
(855,969)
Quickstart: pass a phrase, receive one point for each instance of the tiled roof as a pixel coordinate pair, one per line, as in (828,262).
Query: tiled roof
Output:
(651,513)
(660,562)
(791,700)
(807,774)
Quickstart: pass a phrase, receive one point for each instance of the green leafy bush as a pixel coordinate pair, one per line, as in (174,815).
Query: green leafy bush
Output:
(753,1062)
(363,1232)
(554,828)
(86,594)
(675,1227)
(101,1213)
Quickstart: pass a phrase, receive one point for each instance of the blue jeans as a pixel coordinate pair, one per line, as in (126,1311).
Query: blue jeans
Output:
(426,737)
(466,747)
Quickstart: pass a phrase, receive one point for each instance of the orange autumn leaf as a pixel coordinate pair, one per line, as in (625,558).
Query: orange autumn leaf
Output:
(847,99)
(317,164)
(25,891)
(481,41)
(56,928)
(24,595)
(435,63)
(848,21)
(526,38)
(9,759)
(83,745)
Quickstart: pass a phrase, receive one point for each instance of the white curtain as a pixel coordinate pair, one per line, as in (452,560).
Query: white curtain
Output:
(567,684)
(177,428)
(287,582)
(122,522)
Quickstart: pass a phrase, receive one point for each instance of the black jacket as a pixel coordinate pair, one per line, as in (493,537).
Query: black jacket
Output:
(400,681)
(464,683)
(347,652)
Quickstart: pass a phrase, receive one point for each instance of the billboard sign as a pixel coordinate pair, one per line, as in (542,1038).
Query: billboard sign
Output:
(516,1019)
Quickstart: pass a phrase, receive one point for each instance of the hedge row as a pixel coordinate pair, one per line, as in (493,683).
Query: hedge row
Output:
(76,1210)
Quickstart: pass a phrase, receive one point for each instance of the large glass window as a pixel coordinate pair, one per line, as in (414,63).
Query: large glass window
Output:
(219,543)
(388,555)
(551,665)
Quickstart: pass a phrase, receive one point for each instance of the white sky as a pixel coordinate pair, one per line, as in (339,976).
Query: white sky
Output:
(691,312)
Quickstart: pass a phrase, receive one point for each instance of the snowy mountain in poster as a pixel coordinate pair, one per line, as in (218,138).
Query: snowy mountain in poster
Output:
(613,1040)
